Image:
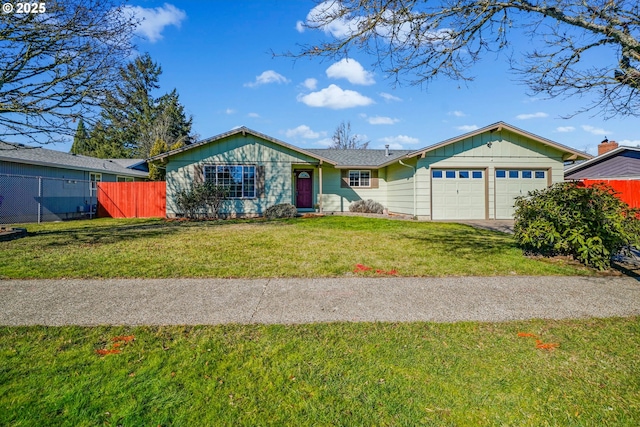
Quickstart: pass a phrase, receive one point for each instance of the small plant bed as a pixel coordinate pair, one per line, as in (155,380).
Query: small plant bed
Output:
(528,373)
(328,246)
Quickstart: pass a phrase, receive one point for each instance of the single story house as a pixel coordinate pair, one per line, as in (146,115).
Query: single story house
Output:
(38,184)
(618,166)
(472,176)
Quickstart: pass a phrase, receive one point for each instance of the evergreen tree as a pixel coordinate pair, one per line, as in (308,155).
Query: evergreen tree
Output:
(132,120)
(81,142)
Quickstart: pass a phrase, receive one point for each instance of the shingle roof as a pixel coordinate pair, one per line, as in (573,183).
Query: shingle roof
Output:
(20,153)
(355,157)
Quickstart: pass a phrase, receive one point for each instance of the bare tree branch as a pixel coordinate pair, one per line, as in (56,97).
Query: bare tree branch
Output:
(55,66)
(423,39)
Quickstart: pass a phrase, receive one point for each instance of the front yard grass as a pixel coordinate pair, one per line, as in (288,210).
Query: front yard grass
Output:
(463,374)
(328,246)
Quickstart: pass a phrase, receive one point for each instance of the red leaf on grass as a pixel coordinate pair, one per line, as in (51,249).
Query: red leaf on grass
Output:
(527,335)
(360,268)
(547,345)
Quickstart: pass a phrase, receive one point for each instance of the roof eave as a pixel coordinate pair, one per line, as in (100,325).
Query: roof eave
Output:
(132,172)
(497,127)
(596,159)
(242,130)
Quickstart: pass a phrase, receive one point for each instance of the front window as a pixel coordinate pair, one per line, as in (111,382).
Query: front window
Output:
(239,180)
(94,179)
(360,178)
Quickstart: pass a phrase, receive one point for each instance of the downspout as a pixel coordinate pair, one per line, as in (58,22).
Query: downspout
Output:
(414,187)
(320,186)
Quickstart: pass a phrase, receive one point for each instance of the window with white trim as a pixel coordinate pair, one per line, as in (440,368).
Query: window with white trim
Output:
(360,178)
(94,179)
(239,180)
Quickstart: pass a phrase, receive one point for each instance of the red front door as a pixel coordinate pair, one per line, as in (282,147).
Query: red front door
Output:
(304,189)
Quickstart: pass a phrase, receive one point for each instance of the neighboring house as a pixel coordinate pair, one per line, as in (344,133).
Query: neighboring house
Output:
(38,184)
(618,166)
(473,176)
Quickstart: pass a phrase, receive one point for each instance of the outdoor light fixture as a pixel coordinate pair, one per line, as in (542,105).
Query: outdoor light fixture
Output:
(489,144)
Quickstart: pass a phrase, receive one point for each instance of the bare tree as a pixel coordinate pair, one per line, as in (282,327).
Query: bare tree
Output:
(343,139)
(427,39)
(57,63)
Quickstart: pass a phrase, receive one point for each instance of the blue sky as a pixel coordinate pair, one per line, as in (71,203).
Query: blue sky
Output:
(218,55)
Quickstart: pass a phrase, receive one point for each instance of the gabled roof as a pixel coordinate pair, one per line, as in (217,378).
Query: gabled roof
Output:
(569,153)
(358,157)
(19,153)
(601,158)
(242,131)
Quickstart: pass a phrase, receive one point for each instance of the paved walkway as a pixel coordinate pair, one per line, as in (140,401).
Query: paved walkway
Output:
(216,301)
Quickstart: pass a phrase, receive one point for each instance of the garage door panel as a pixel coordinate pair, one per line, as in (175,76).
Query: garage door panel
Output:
(458,194)
(512,183)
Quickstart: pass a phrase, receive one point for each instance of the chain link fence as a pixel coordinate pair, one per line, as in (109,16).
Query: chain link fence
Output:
(40,199)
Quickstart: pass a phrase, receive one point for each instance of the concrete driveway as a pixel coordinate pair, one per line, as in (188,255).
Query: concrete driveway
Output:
(352,299)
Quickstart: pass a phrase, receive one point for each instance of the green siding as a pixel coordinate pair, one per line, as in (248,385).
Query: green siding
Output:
(508,150)
(275,161)
(338,199)
(400,187)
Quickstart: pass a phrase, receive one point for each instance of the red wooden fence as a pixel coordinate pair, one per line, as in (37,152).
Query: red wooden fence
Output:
(132,199)
(629,189)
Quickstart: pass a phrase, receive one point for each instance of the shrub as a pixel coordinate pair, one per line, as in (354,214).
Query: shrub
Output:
(284,210)
(589,223)
(366,206)
(201,200)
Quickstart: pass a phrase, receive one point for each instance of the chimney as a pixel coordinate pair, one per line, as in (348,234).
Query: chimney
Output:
(605,146)
(386,150)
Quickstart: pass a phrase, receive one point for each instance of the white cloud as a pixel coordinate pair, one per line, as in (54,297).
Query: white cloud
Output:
(467,128)
(338,27)
(229,111)
(253,115)
(322,17)
(325,142)
(267,77)
(310,84)
(381,120)
(399,141)
(351,70)
(595,131)
(630,142)
(302,131)
(538,115)
(154,20)
(457,114)
(300,27)
(565,129)
(335,98)
(388,97)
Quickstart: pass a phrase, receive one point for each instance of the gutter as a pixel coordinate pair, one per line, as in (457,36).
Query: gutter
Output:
(414,187)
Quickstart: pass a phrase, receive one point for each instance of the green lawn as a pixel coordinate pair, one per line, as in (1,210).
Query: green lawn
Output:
(314,247)
(365,374)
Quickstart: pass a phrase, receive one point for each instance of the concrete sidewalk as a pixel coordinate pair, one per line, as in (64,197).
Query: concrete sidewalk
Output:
(216,301)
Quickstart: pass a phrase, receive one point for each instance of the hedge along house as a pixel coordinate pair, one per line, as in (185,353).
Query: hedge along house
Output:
(474,176)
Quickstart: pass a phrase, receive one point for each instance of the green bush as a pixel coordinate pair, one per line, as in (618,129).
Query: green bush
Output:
(202,200)
(284,210)
(589,223)
(366,206)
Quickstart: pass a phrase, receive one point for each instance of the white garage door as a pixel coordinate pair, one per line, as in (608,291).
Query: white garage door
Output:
(511,183)
(458,194)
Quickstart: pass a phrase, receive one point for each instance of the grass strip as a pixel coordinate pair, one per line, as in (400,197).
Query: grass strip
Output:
(303,247)
(463,374)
